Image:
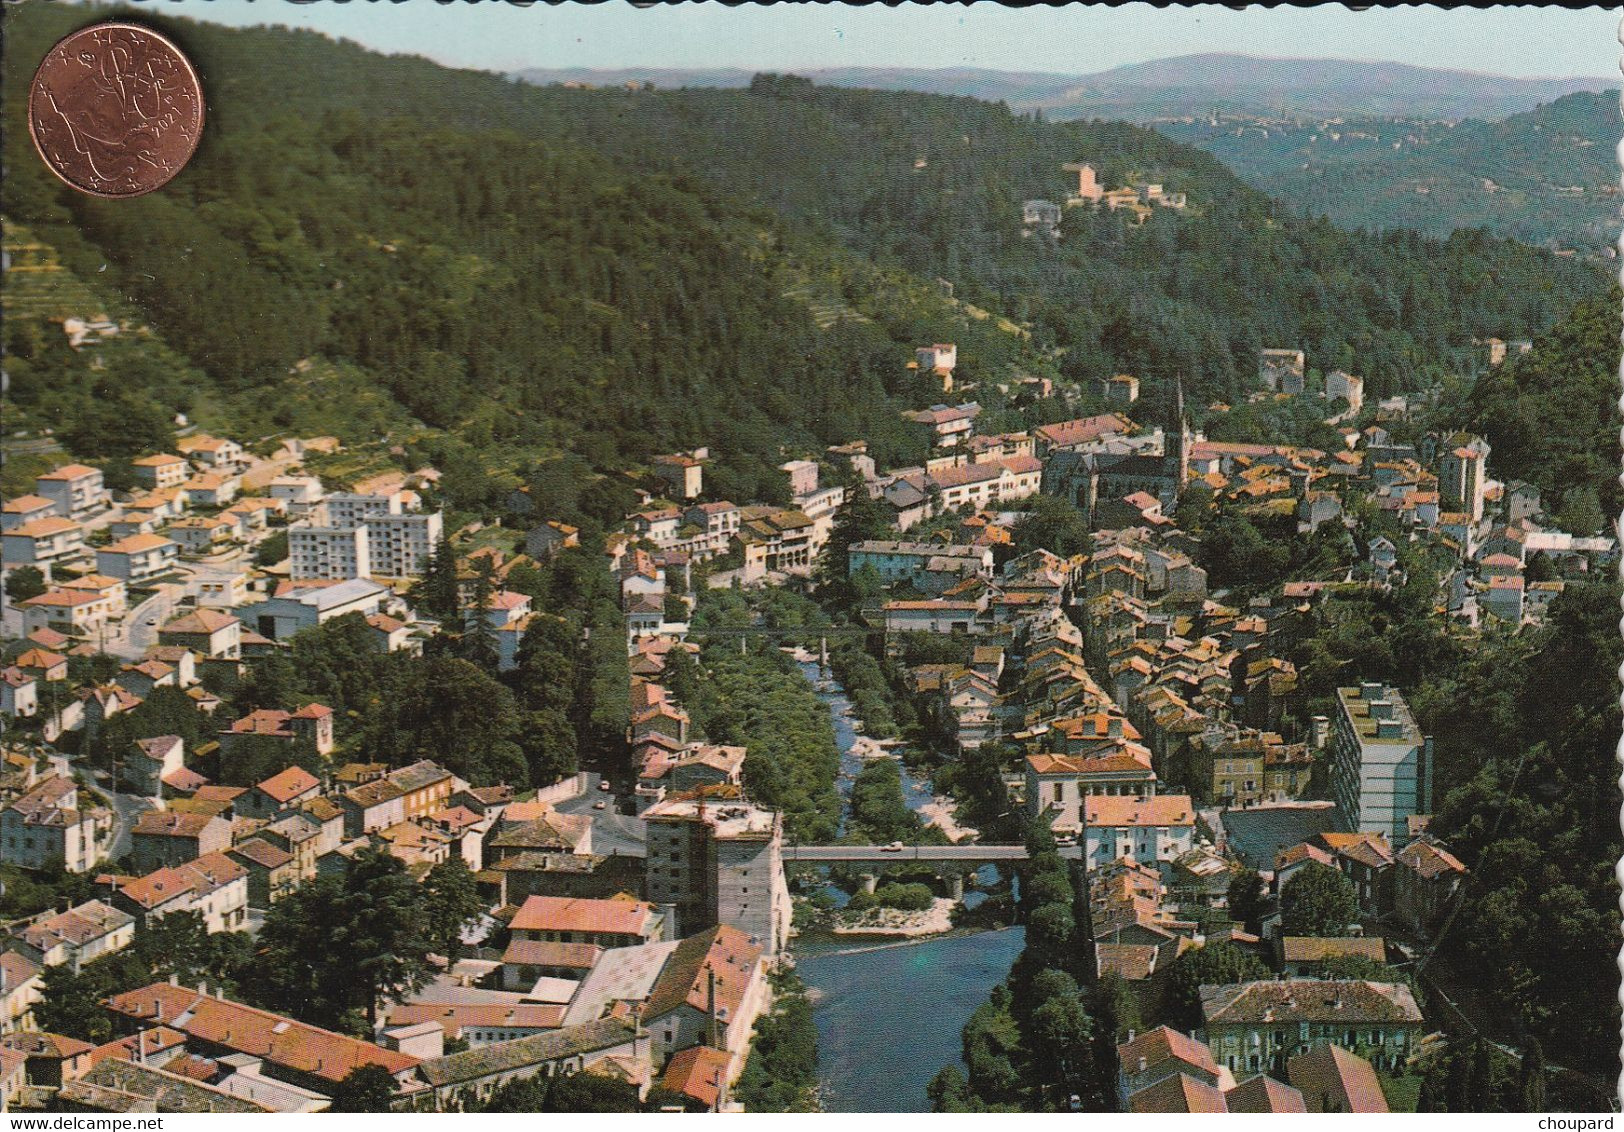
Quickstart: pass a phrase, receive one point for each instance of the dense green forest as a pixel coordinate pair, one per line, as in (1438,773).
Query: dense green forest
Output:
(516,272)
(1551,415)
(1515,176)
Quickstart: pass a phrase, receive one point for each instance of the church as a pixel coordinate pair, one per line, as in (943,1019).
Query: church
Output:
(1119,469)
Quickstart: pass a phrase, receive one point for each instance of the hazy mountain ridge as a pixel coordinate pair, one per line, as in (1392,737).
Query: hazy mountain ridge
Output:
(1548,175)
(1187,84)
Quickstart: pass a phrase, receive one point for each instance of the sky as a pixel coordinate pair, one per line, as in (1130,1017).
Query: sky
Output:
(1519,41)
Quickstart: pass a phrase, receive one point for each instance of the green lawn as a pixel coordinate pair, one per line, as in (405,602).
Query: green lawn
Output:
(1401,1092)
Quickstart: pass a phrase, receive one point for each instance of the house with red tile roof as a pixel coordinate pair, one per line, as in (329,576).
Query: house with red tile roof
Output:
(1151,830)
(1330,1079)
(1256,1027)
(1153,1056)
(208,632)
(481,1024)
(710,992)
(1425,876)
(52,1059)
(167,837)
(273,872)
(1264,1094)
(701,1075)
(616,922)
(311,725)
(46,826)
(1177,1093)
(75,936)
(295,1051)
(287,790)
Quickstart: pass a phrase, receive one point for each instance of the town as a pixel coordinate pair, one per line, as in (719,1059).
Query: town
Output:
(240,695)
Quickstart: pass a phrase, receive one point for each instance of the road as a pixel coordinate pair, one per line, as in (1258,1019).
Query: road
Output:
(134,635)
(975,854)
(613,833)
(127,810)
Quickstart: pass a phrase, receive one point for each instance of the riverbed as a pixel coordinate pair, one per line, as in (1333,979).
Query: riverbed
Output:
(889,1014)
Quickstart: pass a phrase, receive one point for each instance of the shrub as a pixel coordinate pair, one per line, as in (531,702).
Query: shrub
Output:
(906,897)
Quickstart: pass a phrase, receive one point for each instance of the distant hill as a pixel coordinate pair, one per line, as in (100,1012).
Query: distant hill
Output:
(1546,176)
(1189,84)
(490,273)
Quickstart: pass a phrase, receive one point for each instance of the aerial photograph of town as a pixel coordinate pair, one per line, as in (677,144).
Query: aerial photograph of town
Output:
(803,559)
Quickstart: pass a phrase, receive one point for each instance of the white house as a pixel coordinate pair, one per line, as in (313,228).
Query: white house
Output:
(1154,830)
(76,489)
(138,558)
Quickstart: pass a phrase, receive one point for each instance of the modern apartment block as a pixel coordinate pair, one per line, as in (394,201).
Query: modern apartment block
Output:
(1381,764)
(401,545)
(337,553)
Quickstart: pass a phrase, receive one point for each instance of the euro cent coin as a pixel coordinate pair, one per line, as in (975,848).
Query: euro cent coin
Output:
(115,110)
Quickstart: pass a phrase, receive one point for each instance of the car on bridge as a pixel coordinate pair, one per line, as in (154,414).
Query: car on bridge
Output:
(894,847)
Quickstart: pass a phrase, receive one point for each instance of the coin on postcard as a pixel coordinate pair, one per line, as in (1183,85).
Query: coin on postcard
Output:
(115,110)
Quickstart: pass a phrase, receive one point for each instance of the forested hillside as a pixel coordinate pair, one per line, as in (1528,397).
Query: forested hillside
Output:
(1546,175)
(1186,84)
(935,184)
(528,271)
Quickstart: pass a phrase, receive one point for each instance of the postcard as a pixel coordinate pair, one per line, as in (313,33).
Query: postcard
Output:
(809,559)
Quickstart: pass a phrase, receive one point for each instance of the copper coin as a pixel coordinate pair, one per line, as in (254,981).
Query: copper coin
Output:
(116,110)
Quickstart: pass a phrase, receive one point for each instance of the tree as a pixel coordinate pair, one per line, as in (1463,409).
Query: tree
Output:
(23,583)
(254,758)
(1318,901)
(272,550)
(447,709)
(1216,964)
(1054,525)
(453,903)
(1061,1037)
(1247,898)
(338,944)
(436,592)
(783,1067)
(1531,1077)
(366,1088)
(575,1092)
(478,643)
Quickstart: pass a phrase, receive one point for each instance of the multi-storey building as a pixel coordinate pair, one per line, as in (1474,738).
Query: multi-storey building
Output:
(720,861)
(400,545)
(162,471)
(910,561)
(329,552)
(138,558)
(46,827)
(76,489)
(1154,830)
(1381,764)
(45,543)
(1258,1026)
(1462,476)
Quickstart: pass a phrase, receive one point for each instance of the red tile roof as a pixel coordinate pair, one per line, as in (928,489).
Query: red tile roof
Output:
(564,914)
(1333,1080)
(725,951)
(698,1073)
(280,1041)
(290,784)
(1178,1093)
(1162,1043)
(1264,1094)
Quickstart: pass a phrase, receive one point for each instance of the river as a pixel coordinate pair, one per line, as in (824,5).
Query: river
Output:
(889,1015)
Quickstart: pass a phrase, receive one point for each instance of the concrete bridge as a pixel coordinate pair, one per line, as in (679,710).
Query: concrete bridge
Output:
(935,854)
